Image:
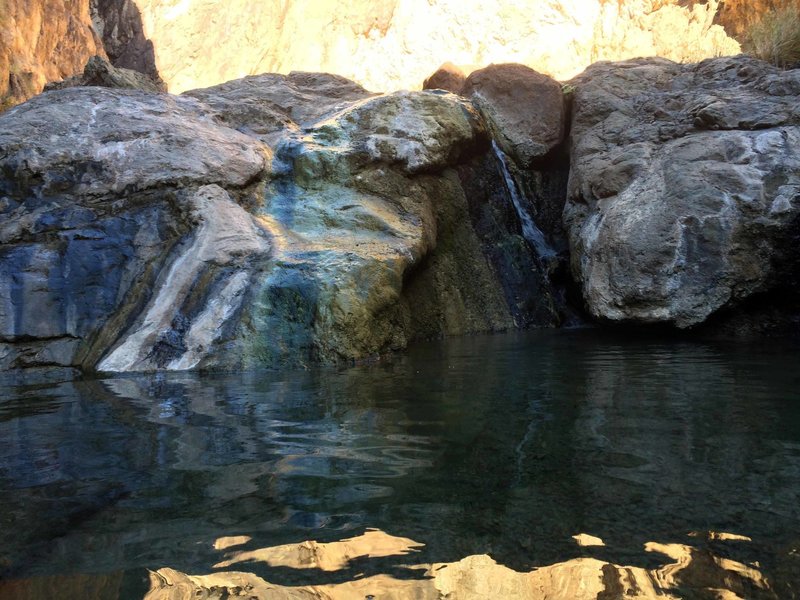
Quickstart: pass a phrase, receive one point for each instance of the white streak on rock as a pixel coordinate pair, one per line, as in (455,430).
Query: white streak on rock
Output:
(227,235)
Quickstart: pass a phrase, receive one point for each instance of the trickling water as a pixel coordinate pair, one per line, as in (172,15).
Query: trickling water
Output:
(530,231)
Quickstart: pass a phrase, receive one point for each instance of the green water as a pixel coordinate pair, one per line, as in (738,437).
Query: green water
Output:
(503,445)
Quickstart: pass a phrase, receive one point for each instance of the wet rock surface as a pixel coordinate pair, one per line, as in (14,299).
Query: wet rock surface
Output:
(684,190)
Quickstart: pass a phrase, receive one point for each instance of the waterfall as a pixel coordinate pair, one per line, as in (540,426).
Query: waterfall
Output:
(530,231)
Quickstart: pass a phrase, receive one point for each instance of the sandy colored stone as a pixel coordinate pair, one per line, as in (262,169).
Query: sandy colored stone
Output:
(395,44)
(41,41)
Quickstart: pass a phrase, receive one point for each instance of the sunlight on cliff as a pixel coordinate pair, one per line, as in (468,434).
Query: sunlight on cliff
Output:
(394,44)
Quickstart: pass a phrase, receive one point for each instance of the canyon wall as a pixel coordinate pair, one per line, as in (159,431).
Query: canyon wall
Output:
(41,41)
(385,45)
(394,44)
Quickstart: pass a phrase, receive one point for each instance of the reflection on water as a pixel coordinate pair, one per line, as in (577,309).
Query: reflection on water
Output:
(552,463)
(472,578)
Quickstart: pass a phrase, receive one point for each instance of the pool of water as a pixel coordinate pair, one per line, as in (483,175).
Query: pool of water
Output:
(498,447)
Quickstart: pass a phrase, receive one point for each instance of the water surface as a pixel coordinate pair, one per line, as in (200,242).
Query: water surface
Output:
(505,446)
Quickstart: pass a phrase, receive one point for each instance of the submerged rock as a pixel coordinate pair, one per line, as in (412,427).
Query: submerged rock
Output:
(684,192)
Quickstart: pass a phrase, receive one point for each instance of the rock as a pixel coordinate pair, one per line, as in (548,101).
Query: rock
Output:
(684,192)
(526,112)
(524,109)
(42,40)
(119,25)
(140,231)
(384,45)
(270,104)
(388,45)
(448,77)
(100,72)
(375,245)
(122,229)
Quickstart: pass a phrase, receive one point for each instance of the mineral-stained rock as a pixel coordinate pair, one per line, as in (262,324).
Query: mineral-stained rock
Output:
(684,192)
(448,77)
(110,200)
(524,109)
(141,231)
(270,104)
(374,241)
(99,72)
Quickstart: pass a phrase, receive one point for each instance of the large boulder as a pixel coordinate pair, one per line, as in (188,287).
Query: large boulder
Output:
(269,105)
(145,231)
(375,242)
(524,109)
(684,192)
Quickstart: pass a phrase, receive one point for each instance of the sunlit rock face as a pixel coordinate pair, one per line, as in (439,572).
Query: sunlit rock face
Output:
(684,191)
(41,41)
(385,45)
(395,44)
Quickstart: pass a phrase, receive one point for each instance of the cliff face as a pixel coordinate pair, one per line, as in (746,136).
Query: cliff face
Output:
(393,44)
(737,15)
(384,45)
(41,41)
(287,220)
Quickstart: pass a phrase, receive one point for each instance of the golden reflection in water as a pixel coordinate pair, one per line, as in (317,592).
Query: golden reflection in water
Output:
(472,578)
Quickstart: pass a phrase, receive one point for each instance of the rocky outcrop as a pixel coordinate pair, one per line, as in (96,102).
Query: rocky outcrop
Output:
(41,41)
(118,23)
(525,110)
(110,230)
(684,192)
(144,231)
(99,72)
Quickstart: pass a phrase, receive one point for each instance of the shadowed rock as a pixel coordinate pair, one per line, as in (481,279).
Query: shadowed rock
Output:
(524,109)
(684,192)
